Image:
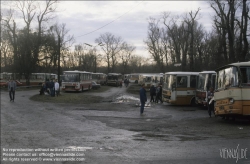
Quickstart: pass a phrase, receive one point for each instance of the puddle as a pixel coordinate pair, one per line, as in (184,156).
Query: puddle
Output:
(126,98)
(78,148)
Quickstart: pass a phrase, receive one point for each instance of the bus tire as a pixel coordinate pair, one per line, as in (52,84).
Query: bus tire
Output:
(82,88)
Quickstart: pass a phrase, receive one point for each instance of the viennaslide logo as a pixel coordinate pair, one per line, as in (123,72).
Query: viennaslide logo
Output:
(234,153)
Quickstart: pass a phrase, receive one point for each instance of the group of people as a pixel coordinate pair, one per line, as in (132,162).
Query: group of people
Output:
(155,94)
(126,82)
(51,87)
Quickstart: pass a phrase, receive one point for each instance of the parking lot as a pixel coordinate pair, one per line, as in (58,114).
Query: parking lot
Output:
(112,131)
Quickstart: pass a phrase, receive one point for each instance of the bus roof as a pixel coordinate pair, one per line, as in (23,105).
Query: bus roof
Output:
(97,73)
(182,73)
(76,71)
(207,72)
(114,74)
(239,64)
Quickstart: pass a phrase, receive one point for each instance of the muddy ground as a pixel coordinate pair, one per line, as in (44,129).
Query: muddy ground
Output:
(106,123)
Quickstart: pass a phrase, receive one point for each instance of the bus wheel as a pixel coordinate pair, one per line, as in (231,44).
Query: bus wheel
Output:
(82,88)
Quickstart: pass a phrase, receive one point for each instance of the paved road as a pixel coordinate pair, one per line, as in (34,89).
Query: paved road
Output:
(114,132)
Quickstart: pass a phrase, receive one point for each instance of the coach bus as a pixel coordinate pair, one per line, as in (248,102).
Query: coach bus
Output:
(35,79)
(99,78)
(145,78)
(232,92)
(134,78)
(76,81)
(206,81)
(179,88)
(114,79)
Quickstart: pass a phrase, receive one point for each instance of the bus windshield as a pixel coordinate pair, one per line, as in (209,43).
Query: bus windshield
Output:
(112,77)
(227,77)
(170,81)
(201,82)
(72,77)
(96,76)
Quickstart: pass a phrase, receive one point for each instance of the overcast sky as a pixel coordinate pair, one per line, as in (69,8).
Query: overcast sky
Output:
(87,20)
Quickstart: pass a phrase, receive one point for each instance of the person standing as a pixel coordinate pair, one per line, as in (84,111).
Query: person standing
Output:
(158,94)
(152,93)
(57,88)
(52,89)
(12,89)
(143,98)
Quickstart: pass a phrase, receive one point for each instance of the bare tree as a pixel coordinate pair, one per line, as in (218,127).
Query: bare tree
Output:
(112,47)
(64,41)
(232,28)
(191,23)
(156,45)
(126,55)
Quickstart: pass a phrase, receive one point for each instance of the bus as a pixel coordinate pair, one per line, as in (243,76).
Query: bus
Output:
(99,78)
(232,91)
(36,79)
(114,79)
(76,81)
(179,88)
(150,79)
(134,78)
(39,78)
(205,82)
(157,79)
(146,78)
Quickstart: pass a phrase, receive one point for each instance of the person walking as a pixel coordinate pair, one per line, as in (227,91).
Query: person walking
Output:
(12,89)
(210,102)
(57,87)
(143,98)
(152,93)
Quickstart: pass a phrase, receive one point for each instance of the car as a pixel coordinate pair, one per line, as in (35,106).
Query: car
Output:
(95,85)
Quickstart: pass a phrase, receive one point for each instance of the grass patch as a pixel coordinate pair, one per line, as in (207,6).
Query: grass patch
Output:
(72,97)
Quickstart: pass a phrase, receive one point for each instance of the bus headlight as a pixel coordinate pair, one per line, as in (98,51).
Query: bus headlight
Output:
(231,100)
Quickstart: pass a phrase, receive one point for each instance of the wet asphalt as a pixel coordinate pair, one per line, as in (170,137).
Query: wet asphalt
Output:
(114,132)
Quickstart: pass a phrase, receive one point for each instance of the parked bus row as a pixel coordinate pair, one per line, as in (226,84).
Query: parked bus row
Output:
(230,83)
(35,79)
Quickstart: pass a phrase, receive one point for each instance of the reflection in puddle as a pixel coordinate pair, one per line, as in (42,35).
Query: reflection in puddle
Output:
(130,99)
(126,99)
(78,148)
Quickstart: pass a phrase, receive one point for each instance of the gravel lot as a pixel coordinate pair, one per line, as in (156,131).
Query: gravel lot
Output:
(105,124)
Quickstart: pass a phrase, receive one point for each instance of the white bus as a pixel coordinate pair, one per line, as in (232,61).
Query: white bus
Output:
(232,92)
(76,80)
(115,79)
(35,79)
(179,88)
(134,78)
(205,82)
(99,78)
(146,78)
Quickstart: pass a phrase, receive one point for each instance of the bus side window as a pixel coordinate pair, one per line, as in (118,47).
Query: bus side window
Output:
(193,81)
(182,81)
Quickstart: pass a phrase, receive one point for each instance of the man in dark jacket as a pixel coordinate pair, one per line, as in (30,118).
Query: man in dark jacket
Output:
(152,93)
(143,98)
